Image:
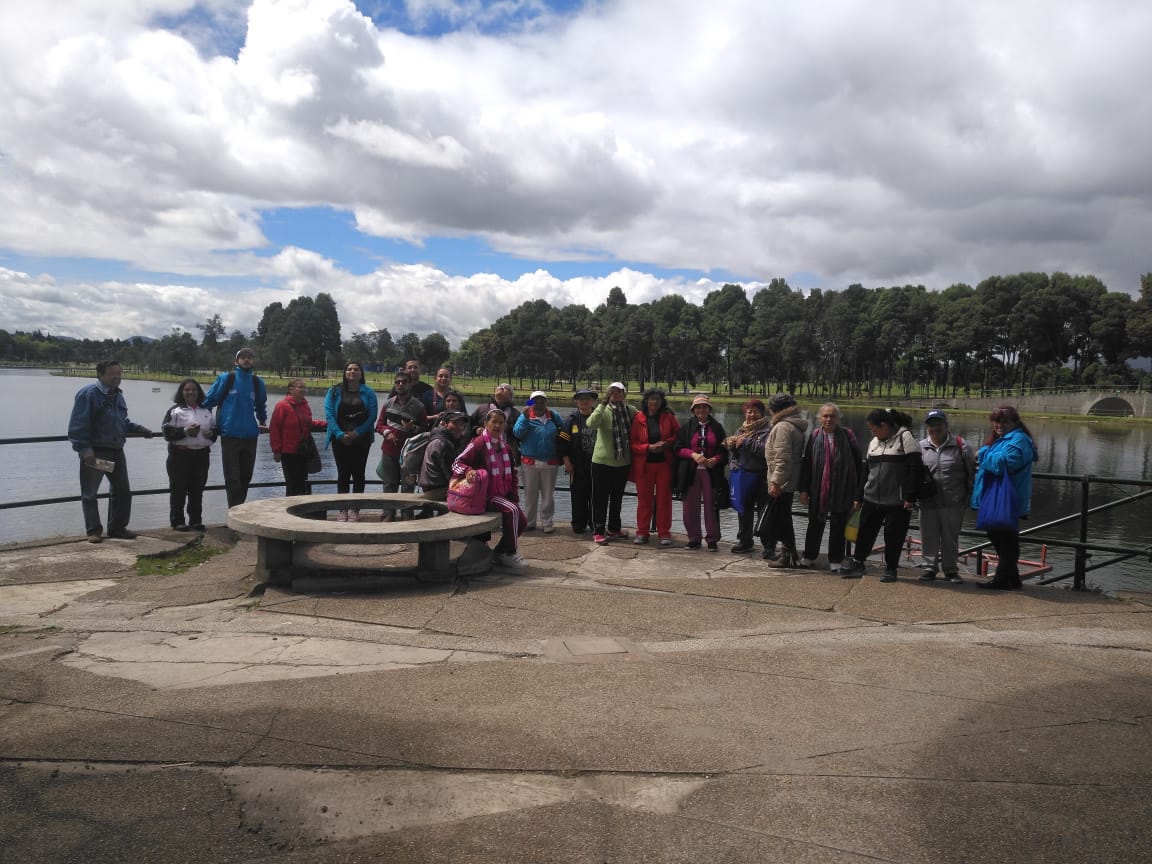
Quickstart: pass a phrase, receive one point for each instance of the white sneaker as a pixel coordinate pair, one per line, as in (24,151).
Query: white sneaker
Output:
(342,516)
(510,559)
(547,529)
(805,562)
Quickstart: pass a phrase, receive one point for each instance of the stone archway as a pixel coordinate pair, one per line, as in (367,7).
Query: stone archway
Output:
(1111,406)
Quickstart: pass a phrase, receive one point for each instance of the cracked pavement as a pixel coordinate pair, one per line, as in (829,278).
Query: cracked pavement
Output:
(606,704)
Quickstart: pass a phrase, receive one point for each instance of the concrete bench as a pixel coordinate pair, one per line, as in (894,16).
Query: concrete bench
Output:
(284,527)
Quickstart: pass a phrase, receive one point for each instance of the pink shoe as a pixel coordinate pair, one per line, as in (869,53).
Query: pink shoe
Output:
(599,539)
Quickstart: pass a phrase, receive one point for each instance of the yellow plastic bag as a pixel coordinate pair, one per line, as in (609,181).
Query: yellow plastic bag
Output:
(852,527)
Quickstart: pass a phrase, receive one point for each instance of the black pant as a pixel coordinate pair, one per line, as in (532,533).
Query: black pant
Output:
(295,474)
(776,523)
(747,521)
(894,520)
(608,484)
(580,485)
(238,459)
(351,460)
(1007,546)
(837,545)
(187,477)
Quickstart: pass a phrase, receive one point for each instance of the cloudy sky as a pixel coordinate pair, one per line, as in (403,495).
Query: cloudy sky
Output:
(434,163)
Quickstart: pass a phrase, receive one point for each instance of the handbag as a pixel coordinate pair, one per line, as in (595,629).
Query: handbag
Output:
(852,527)
(999,510)
(742,485)
(469,497)
(306,449)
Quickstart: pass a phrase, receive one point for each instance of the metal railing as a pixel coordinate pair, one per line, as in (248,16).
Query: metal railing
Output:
(1083,547)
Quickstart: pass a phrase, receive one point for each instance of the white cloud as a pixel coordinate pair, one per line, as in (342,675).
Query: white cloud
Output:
(879,142)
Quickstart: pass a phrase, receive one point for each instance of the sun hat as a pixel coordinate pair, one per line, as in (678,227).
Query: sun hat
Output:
(702,399)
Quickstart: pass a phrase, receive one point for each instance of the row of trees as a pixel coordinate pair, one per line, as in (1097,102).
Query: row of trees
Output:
(1026,330)
(1021,331)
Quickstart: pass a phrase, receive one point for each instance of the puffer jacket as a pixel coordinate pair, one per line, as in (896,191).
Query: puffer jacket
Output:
(892,469)
(953,467)
(784,449)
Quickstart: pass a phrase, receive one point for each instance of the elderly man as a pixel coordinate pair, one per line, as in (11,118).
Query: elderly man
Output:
(950,461)
(97,430)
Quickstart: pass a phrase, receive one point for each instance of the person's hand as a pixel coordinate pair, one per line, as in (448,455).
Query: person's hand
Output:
(148,433)
(275,457)
(349,437)
(192,430)
(774,490)
(699,458)
(567,466)
(263,427)
(855,506)
(804,499)
(88,458)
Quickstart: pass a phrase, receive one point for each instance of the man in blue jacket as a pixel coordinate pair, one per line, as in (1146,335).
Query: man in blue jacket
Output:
(243,415)
(97,430)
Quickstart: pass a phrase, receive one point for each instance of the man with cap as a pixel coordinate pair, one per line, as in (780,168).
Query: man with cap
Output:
(447,440)
(243,415)
(538,431)
(952,465)
(576,444)
(611,461)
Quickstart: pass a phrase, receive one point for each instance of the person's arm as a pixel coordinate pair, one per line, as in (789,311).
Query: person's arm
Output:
(365,428)
(169,429)
(261,403)
(213,396)
(276,429)
(80,424)
(331,406)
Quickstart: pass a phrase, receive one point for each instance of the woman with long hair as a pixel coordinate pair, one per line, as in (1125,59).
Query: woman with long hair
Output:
(350,410)
(491,452)
(653,439)
(891,478)
(189,428)
(1009,449)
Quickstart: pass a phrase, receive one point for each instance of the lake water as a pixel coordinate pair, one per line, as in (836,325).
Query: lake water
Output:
(40,403)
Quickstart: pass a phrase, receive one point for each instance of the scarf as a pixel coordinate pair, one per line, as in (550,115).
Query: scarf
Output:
(500,477)
(746,431)
(621,429)
(826,475)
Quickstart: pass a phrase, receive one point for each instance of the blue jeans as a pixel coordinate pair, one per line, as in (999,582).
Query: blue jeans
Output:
(119,494)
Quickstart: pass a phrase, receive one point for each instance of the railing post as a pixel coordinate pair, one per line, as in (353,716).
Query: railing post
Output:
(1078,581)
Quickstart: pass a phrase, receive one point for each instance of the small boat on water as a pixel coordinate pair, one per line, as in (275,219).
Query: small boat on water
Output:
(155,389)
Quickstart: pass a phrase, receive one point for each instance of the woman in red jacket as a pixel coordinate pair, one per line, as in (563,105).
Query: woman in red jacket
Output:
(653,441)
(291,421)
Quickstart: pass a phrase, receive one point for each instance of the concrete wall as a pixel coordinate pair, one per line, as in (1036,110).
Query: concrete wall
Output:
(1105,402)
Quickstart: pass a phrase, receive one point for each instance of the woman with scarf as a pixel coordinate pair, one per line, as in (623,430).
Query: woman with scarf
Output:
(490,451)
(653,439)
(829,482)
(699,447)
(611,462)
(1009,449)
(746,452)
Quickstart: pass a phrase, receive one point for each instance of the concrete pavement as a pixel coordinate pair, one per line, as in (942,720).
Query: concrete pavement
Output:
(605,704)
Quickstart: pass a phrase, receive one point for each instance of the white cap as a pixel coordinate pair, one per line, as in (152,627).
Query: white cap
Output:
(618,386)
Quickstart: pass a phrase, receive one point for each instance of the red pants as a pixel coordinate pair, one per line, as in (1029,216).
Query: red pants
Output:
(653,486)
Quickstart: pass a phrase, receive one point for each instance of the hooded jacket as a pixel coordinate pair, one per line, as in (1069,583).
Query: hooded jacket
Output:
(243,402)
(784,448)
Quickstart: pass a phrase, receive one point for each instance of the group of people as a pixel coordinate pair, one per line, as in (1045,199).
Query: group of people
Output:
(428,440)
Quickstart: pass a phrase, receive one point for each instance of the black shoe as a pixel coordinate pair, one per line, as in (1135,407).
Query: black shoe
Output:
(889,576)
(197,526)
(694,544)
(95,537)
(993,585)
(712,546)
(180,527)
(927,575)
(770,555)
(123,534)
(851,569)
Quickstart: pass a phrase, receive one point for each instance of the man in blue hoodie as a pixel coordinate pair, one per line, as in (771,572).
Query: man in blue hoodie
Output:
(243,415)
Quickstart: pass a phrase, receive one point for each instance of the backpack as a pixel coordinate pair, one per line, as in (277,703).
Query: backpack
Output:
(412,457)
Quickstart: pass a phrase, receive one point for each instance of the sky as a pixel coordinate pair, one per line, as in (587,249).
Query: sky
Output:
(432,164)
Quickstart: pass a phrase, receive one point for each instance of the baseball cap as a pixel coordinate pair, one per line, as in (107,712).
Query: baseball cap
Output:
(536,394)
(936,416)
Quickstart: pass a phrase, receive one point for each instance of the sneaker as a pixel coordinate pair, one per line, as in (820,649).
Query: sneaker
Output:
(693,544)
(617,535)
(665,541)
(770,555)
(712,545)
(835,568)
(353,515)
(123,534)
(739,548)
(599,539)
(342,516)
(197,526)
(954,578)
(889,576)
(95,537)
(640,539)
(927,575)
(548,529)
(180,527)
(510,559)
(805,563)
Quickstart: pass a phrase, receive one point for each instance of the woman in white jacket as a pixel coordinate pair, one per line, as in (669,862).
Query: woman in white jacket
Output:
(189,428)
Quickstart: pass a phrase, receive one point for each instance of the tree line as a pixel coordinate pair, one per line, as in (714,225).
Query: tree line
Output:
(1027,330)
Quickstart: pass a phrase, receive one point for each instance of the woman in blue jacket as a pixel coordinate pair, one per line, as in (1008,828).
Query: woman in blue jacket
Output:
(350,408)
(1009,448)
